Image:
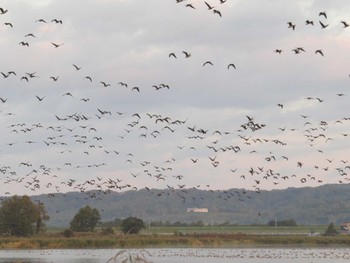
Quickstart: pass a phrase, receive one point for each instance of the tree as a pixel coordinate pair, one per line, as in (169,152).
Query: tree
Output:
(132,225)
(85,220)
(331,231)
(19,216)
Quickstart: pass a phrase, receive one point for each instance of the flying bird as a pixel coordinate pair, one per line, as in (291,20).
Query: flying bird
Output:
(172,55)
(39,98)
(187,54)
(89,78)
(3,11)
(76,67)
(8,24)
(207,63)
(105,84)
(41,20)
(24,43)
(231,65)
(209,6)
(279,51)
(319,51)
(345,24)
(323,14)
(291,25)
(56,21)
(323,25)
(30,35)
(215,11)
(190,5)
(309,22)
(57,45)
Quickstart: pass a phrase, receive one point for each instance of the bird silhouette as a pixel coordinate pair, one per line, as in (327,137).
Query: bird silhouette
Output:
(279,51)
(215,11)
(41,20)
(231,65)
(309,22)
(57,21)
(323,25)
(3,11)
(105,84)
(76,67)
(39,98)
(291,25)
(8,24)
(187,54)
(207,63)
(22,43)
(190,5)
(57,45)
(319,51)
(209,6)
(345,24)
(323,14)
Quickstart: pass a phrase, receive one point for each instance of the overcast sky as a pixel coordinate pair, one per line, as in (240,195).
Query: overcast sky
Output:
(270,120)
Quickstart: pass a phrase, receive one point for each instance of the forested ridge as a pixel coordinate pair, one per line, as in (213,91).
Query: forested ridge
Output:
(307,206)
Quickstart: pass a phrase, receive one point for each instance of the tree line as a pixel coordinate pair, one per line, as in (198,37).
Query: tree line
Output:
(19,216)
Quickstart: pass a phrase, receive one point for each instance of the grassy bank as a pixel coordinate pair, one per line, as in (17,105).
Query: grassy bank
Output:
(96,240)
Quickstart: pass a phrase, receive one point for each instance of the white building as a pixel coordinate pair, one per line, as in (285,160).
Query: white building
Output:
(197,210)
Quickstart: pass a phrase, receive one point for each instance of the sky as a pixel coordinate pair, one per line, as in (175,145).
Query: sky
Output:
(105,98)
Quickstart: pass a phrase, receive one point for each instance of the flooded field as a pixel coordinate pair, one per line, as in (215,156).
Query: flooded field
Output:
(246,255)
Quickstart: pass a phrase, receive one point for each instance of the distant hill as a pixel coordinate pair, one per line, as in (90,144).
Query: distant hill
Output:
(308,206)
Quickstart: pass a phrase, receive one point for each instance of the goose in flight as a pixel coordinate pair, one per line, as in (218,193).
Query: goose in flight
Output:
(41,20)
(30,35)
(323,25)
(39,98)
(207,62)
(191,6)
(56,21)
(123,84)
(76,67)
(105,84)
(57,45)
(309,22)
(324,14)
(209,6)
(8,24)
(231,65)
(215,11)
(319,51)
(345,24)
(291,25)
(3,11)
(22,43)
(279,51)
(187,54)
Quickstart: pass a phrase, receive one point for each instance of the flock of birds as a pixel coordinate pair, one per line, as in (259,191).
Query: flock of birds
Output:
(94,140)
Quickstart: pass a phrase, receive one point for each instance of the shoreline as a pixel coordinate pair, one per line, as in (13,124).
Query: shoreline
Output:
(141,241)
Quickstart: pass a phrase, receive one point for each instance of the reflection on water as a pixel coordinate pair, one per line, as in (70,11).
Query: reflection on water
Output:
(237,255)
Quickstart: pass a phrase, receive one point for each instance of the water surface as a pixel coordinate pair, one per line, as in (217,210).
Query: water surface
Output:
(237,255)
